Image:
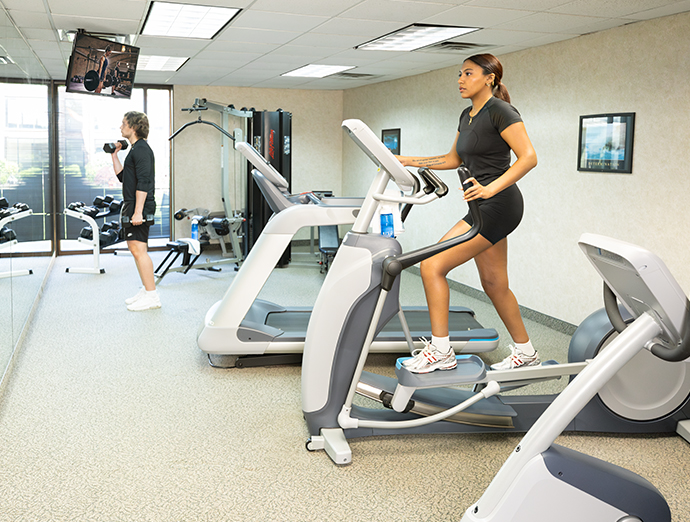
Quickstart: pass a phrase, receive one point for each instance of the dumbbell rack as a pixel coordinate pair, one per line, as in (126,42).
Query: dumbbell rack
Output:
(9,244)
(94,243)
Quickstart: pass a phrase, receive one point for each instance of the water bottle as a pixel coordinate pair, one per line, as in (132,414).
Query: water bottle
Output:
(195,229)
(387,226)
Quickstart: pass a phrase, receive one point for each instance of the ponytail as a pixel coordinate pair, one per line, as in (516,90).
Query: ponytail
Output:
(501,92)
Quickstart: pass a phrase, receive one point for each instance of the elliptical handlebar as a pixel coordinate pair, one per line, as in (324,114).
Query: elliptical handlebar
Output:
(675,354)
(394,265)
(433,182)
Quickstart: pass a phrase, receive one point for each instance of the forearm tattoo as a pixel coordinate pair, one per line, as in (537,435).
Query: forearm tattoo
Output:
(434,161)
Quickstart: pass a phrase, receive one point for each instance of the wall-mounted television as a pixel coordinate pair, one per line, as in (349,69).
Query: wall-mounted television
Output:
(101,67)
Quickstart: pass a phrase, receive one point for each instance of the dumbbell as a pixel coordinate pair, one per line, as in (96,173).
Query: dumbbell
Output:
(4,203)
(88,211)
(102,201)
(21,206)
(115,206)
(7,234)
(109,237)
(76,205)
(110,225)
(110,147)
(86,233)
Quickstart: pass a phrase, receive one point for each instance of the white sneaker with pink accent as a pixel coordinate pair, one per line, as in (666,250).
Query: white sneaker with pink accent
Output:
(429,359)
(516,359)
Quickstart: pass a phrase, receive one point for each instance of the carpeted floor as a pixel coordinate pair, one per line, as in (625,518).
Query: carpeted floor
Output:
(111,415)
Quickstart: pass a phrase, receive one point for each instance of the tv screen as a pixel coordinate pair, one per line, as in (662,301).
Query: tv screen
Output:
(101,67)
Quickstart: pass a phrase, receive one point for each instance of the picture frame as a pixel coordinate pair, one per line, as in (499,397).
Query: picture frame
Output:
(605,143)
(391,139)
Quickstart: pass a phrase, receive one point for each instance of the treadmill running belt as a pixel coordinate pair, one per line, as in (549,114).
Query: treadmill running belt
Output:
(461,320)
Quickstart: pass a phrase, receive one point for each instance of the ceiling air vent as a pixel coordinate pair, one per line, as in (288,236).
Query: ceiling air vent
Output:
(453,47)
(355,76)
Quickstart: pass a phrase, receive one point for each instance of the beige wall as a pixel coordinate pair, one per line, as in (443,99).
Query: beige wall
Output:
(643,68)
(316,143)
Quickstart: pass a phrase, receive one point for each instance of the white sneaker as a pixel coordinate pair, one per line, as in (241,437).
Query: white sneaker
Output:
(516,359)
(429,359)
(139,295)
(146,302)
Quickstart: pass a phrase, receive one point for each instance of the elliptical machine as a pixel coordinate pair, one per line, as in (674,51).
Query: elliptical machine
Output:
(556,483)
(355,300)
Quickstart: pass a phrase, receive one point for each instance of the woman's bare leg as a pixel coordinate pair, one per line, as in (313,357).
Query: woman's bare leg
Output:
(435,269)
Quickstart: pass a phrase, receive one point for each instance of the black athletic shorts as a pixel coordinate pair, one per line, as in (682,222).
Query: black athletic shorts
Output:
(501,214)
(137,233)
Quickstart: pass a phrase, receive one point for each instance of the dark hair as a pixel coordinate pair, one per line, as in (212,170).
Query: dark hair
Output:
(139,122)
(490,65)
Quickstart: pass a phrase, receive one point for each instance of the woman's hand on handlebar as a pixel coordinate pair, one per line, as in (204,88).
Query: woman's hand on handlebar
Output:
(403,160)
(476,191)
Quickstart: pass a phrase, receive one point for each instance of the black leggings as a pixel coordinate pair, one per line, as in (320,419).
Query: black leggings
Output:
(501,214)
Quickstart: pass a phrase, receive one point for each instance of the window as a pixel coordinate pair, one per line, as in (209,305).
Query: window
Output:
(85,123)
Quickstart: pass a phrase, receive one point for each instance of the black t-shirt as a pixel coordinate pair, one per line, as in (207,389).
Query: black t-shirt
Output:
(138,173)
(480,145)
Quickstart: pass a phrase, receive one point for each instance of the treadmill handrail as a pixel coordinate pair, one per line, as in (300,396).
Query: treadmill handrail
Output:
(268,170)
(394,265)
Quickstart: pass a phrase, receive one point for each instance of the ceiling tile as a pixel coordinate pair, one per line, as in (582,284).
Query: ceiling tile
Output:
(235,34)
(39,34)
(670,9)
(277,21)
(122,10)
(525,5)
(395,10)
(498,37)
(30,19)
(95,25)
(327,40)
(610,8)
(154,45)
(548,23)
(307,7)
(469,16)
(367,29)
(241,47)
(25,5)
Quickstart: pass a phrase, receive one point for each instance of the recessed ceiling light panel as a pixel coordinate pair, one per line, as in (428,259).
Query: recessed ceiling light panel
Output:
(318,71)
(186,20)
(415,37)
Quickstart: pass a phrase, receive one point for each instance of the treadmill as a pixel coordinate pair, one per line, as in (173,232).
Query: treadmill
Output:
(259,333)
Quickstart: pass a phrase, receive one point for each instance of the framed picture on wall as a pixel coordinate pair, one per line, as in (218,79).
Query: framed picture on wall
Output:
(606,143)
(391,139)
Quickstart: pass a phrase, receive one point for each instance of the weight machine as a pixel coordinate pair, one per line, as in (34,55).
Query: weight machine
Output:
(212,225)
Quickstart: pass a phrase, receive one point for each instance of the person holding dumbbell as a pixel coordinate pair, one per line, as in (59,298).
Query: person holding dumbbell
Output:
(103,68)
(138,180)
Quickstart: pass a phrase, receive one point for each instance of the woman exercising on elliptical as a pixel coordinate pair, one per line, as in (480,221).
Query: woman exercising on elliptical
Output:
(487,132)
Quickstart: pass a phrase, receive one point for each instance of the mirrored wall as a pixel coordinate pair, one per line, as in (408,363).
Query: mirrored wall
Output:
(24,168)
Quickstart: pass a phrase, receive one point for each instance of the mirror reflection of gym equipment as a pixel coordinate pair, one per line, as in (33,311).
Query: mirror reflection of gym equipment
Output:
(8,237)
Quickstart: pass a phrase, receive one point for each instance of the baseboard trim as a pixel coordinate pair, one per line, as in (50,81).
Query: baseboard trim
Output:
(538,317)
